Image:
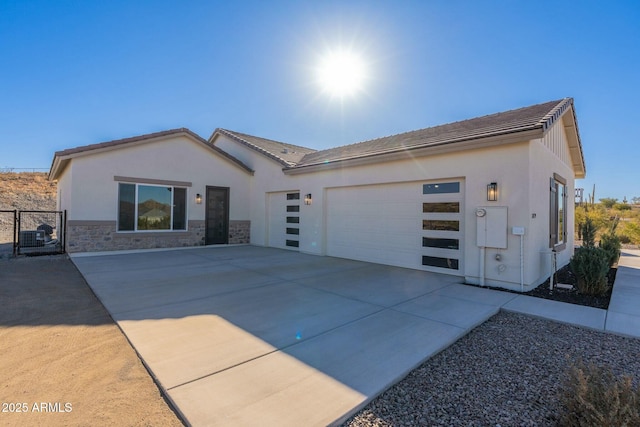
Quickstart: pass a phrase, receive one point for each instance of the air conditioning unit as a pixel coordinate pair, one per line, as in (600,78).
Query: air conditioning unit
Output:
(31,238)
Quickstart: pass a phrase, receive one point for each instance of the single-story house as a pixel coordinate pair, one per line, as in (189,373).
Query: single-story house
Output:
(488,199)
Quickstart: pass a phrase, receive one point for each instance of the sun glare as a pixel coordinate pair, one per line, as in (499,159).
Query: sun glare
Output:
(342,74)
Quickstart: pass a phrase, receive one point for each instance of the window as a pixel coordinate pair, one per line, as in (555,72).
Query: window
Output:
(440,188)
(558,212)
(445,207)
(440,225)
(293,220)
(434,261)
(295,231)
(293,208)
(144,207)
(293,196)
(436,242)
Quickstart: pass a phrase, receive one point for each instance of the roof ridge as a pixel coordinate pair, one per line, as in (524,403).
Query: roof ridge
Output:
(267,139)
(254,146)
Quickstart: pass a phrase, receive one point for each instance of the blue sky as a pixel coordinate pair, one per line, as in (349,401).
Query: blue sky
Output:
(79,72)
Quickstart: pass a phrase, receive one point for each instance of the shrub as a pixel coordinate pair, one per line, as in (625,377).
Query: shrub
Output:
(622,207)
(608,202)
(587,232)
(612,245)
(590,265)
(594,396)
(632,230)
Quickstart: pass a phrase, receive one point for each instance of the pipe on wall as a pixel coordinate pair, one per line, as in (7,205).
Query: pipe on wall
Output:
(482,264)
(522,263)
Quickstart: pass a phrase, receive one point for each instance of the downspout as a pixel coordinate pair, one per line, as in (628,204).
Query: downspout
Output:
(482,262)
(522,263)
(554,267)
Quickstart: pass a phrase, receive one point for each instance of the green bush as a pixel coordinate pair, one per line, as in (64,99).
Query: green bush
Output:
(612,245)
(608,202)
(591,265)
(622,207)
(631,230)
(594,396)
(587,232)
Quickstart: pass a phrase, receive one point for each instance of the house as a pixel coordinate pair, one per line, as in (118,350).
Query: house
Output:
(488,199)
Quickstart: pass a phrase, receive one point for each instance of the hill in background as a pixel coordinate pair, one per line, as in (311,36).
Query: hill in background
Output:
(27,191)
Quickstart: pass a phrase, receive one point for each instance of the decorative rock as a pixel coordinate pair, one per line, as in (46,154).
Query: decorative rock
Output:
(495,377)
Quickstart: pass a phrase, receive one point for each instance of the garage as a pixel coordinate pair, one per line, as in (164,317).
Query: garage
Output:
(284,220)
(415,225)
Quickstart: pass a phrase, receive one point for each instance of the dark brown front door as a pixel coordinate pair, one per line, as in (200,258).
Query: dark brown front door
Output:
(217,216)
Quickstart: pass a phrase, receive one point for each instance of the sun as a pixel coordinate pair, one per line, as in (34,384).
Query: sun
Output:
(341,73)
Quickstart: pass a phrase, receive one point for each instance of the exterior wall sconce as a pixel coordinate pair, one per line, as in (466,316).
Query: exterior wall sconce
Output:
(198,198)
(307,199)
(492,192)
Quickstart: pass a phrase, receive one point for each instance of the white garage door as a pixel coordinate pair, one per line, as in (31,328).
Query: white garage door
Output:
(284,220)
(415,225)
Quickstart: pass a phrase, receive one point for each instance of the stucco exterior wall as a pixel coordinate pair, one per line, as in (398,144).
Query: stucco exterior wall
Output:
(268,177)
(95,193)
(64,194)
(547,158)
(522,170)
(506,165)
(89,191)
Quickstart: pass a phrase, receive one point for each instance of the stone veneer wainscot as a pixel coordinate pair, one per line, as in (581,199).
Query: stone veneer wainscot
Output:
(91,236)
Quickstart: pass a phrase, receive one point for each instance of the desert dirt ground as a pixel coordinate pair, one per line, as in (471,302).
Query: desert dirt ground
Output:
(63,361)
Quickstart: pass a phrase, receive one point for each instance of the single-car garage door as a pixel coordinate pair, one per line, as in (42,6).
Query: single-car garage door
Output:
(284,220)
(415,225)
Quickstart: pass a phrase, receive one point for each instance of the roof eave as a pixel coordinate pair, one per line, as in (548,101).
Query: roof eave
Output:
(409,153)
(570,123)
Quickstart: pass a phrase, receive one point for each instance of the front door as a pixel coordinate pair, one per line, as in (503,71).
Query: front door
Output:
(217,216)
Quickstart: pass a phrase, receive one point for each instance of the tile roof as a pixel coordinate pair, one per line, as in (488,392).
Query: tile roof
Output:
(286,154)
(61,157)
(124,141)
(533,118)
(538,116)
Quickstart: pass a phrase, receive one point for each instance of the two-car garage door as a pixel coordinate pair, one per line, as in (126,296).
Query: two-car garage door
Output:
(414,225)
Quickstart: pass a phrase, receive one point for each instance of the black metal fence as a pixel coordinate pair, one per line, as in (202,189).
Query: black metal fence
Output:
(32,232)
(8,230)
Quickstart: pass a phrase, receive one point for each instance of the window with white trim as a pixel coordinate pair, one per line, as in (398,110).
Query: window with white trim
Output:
(145,207)
(558,212)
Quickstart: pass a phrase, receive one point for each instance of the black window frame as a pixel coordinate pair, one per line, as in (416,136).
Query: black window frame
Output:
(127,222)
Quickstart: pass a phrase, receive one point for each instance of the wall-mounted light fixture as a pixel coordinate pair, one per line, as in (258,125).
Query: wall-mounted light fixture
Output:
(307,199)
(492,192)
(198,198)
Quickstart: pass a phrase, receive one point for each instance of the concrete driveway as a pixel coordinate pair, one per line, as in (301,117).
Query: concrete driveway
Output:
(247,335)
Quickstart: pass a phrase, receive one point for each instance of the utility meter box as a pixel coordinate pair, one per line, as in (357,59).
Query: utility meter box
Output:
(492,227)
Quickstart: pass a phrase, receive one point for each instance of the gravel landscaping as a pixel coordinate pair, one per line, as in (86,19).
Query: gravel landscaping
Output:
(506,372)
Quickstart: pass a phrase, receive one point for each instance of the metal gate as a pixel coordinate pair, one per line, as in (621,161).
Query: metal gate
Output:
(8,230)
(32,232)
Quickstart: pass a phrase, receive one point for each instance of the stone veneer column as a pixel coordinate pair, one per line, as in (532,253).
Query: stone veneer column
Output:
(239,232)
